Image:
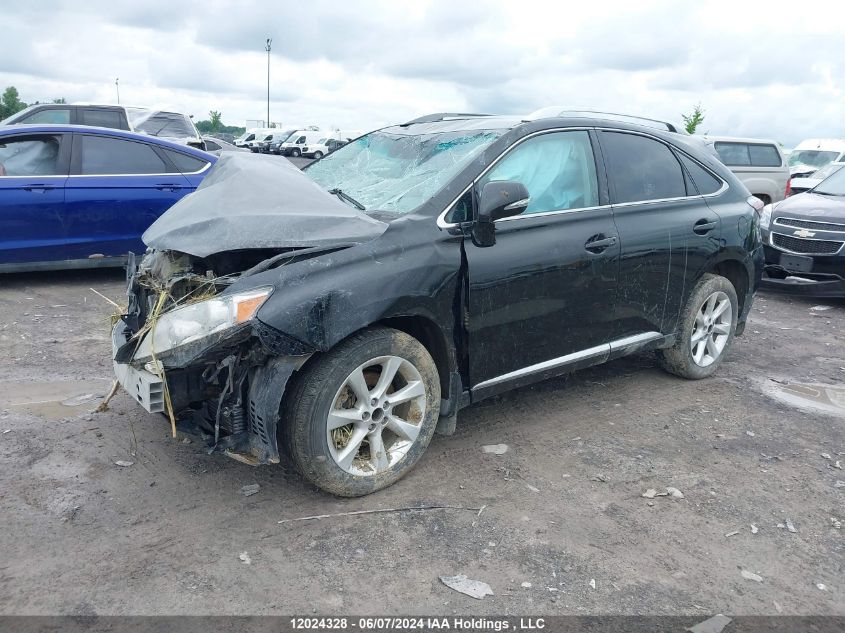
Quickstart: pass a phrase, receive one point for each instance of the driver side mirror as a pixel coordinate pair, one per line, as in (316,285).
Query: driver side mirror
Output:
(499,199)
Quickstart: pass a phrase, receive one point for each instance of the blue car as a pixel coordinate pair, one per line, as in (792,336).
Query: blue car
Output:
(77,196)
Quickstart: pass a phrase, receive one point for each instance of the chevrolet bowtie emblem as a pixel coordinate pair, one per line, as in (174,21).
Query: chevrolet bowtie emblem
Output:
(804,233)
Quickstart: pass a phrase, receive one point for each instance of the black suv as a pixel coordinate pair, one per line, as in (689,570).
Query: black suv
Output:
(354,308)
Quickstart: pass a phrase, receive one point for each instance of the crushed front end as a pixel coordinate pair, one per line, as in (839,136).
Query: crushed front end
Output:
(190,348)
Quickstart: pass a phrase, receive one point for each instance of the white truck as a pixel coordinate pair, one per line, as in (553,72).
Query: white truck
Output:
(332,141)
(758,163)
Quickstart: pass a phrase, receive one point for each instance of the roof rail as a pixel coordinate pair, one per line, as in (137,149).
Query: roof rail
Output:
(556,111)
(442,116)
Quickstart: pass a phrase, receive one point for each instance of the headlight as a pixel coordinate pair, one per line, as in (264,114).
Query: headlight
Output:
(766,217)
(199,320)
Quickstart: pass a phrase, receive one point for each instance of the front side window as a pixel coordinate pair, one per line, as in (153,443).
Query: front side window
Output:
(395,172)
(641,168)
(59,116)
(558,169)
(300,140)
(30,156)
(104,155)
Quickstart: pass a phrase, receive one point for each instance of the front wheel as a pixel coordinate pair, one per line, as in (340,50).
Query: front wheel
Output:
(295,153)
(708,324)
(318,155)
(358,418)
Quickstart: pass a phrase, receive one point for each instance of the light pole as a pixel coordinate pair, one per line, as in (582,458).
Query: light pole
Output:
(117,87)
(267,48)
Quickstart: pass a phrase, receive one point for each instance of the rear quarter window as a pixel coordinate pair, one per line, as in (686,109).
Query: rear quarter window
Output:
(705,182)
(184,163)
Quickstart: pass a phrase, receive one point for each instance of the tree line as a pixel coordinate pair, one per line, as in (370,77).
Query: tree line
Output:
(10,102)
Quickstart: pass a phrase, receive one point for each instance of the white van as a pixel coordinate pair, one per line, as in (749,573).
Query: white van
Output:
(758,163)
(300,139)
(814,153)
(253,134)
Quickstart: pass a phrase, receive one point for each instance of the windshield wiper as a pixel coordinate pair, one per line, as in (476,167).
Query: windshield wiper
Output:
(346,197)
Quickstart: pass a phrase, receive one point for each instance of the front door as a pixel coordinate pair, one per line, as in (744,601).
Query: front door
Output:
(33,171)
(542,297)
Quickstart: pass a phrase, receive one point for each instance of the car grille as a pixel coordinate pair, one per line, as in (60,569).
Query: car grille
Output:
(811,224)
(805,247)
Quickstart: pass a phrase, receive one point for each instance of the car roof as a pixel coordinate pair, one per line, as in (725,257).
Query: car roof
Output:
(40,128)
(822,144)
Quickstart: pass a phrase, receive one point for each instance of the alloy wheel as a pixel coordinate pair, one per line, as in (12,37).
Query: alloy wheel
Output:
(712,329)
(376,415)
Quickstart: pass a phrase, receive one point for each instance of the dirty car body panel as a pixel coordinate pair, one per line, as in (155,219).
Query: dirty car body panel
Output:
(546,298)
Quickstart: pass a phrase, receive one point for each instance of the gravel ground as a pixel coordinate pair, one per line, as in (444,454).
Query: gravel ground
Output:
(754,446)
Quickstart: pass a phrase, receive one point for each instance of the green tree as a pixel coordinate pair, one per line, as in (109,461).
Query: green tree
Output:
(59,100)
(216,121)
(10,102)
(694,119)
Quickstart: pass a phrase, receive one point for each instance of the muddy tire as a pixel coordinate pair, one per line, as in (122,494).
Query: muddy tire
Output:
(707,328)
(357,419)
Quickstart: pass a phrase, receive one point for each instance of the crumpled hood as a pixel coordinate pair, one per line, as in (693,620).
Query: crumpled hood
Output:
(813,206)
(251,201)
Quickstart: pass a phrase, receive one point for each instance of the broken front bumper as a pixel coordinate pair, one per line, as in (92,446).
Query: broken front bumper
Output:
(246,406)
(145,387)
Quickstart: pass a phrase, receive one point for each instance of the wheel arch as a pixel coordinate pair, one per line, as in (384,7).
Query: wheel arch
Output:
(432,337)
(736,272)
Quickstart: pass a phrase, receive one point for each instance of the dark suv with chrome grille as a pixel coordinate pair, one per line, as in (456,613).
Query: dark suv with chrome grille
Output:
(804,239)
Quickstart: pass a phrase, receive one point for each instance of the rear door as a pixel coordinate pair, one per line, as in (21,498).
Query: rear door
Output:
(33,172)
(667,231)
(117,188)
(542,297)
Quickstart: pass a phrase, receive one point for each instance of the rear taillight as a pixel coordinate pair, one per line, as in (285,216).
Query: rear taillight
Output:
(756,203)
(788,187)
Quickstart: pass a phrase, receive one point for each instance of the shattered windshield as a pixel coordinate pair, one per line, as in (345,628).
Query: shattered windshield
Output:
(396,173)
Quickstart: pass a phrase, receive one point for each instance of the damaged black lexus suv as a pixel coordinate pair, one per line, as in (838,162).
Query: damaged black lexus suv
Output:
(342,315)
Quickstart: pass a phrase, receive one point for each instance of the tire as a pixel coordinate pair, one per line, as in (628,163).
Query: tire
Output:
(295,153)
(339,460)
(713,335)
(318,155)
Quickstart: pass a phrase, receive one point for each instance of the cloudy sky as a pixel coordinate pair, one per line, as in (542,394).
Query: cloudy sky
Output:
(761,69)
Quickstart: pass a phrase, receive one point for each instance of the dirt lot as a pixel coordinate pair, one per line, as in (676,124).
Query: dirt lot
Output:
(564,505)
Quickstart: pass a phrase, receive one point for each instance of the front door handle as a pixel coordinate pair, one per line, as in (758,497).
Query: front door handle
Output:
(600,243)
(39,187)
(168,186)
(704,226)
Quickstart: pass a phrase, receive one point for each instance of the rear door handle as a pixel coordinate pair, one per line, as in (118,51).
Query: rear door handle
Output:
(704,226)
(599,243)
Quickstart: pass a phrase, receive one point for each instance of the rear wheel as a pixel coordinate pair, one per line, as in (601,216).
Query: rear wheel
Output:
(358,418)
(707,330)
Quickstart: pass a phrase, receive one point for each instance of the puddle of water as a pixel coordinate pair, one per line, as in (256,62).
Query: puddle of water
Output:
(53,400)
(817,397)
